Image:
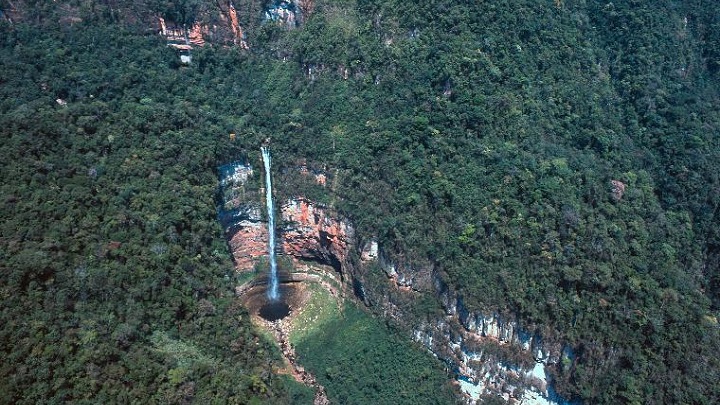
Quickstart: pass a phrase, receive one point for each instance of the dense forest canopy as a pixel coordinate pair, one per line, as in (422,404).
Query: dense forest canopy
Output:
(554,160)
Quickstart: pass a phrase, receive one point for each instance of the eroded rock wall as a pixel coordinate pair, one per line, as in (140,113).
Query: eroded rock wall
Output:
(310,232)
(248,239)
(241,215)
(490,352)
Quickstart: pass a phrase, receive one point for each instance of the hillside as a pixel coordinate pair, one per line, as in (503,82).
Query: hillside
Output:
(551,163)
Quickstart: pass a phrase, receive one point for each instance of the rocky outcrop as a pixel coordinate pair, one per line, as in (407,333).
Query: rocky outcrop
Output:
(406,275)
(369,252)
(284,12)
(183,38)
(240,216)
(470,342)
(248,238)
(617,189)
(289,13)
(238,33)
(493,326)
(311,233)
(490,352)
(195,35)
(218,23)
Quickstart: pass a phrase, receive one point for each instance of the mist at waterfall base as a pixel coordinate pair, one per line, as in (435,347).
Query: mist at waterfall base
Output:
(273,292)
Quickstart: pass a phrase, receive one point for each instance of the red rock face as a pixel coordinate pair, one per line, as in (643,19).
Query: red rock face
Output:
(248,244)
(195,35)
(618,189)
(312,234)
(238,35)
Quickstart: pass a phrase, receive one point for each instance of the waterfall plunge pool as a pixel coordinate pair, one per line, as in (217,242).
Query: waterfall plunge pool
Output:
(274,311)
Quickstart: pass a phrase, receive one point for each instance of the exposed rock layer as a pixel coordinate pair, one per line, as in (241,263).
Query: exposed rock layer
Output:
(248,243)
(310,233)
(460,337)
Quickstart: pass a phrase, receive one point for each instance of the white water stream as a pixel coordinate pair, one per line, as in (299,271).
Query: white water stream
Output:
(273,292)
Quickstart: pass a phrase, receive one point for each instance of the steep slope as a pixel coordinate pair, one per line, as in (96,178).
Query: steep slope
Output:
(115,282)
(560,172)
(552,164)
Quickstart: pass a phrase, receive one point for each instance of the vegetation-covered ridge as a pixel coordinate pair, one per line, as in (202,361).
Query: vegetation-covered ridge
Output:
(490,138)
(116,283)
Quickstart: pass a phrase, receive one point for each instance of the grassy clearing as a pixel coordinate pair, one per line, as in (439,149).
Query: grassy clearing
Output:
(359,360)
(320,309)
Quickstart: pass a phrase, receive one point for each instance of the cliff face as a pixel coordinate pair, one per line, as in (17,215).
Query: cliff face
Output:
(238,34)
(468,339)
(217,25)
(491,353)
(311,233)
(248,239)
(289,13)
(308,232)
(215,22)
(240,216)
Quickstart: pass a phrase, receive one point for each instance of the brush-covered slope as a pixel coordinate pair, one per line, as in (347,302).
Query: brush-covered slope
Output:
(553,160)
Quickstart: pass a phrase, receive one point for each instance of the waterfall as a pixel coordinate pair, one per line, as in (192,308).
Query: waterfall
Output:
(273,293)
